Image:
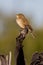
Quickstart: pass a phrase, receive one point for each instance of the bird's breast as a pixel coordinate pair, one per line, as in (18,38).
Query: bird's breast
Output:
(20,23)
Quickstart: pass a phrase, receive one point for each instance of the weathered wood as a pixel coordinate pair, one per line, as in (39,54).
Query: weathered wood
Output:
(5,59)
(37,59)
(19,54)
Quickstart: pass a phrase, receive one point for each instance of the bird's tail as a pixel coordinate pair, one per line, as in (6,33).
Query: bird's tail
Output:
(33,34)
(30,29)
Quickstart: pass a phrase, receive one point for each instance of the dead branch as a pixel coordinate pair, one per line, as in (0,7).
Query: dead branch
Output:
(37,59)
(5,59)
(19,47)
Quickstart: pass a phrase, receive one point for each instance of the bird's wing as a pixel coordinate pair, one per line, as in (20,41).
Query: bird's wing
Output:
(25,21)
(28,23)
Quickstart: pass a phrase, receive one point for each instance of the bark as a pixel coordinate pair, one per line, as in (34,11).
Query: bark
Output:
(19,54)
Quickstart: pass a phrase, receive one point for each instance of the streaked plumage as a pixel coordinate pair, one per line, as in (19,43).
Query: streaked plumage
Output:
(23,22)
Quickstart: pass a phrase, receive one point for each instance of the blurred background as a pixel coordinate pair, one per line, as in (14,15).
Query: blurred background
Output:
(9,30)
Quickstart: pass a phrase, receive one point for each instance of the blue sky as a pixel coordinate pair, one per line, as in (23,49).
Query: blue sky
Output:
(28,7)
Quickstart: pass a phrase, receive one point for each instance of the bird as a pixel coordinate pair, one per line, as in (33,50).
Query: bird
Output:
(22,21)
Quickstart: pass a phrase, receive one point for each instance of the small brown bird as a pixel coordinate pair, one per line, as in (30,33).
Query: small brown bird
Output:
(23,22)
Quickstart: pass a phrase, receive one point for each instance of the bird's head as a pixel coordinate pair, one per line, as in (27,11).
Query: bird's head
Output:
(20,15)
